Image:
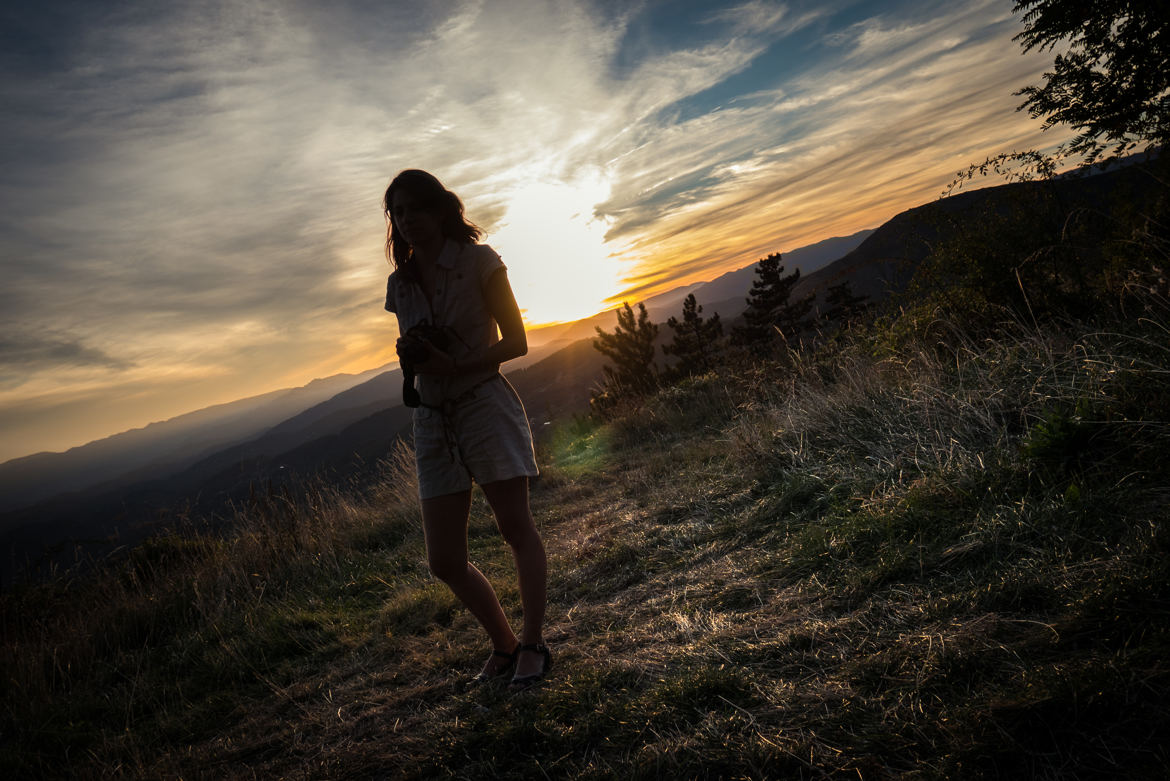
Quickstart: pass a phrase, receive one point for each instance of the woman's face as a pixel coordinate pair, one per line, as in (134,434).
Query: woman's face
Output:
(417,223)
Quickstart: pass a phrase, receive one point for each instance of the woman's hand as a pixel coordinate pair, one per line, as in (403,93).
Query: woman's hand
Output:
(437,362)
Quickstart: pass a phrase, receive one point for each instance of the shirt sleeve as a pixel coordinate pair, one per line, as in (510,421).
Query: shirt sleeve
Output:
(488,263)
(391,304)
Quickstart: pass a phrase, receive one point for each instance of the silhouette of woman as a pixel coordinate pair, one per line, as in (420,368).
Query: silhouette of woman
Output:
(450,294)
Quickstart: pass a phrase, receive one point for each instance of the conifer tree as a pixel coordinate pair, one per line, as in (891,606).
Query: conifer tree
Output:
(770,312)
(844,307)
(695,338)
(631,348)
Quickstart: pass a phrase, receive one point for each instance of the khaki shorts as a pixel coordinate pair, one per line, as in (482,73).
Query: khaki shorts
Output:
(484,439)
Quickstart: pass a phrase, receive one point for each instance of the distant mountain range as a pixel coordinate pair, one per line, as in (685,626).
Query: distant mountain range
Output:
(726,294)
(277,422)
(117,490)
(160,448)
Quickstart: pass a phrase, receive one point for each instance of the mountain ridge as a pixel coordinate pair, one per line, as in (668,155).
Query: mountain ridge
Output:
(326,439)
(160,446)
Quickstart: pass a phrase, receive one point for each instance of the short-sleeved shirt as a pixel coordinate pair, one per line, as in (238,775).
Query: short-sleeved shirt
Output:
(462,272)
(471,426)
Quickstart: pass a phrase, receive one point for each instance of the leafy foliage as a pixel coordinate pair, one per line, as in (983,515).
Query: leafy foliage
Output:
(1062,247)
(695,339)
(1113,82)
(1063,439)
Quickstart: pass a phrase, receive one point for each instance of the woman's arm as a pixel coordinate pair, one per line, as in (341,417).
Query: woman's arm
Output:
(501,304)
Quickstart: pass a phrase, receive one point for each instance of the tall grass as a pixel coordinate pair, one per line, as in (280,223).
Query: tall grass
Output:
(895,556)
(155,637)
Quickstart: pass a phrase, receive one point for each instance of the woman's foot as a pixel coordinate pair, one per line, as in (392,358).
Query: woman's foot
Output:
(533,661)
(499,665)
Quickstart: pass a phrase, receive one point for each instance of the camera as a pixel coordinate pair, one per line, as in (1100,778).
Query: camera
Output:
(412,352)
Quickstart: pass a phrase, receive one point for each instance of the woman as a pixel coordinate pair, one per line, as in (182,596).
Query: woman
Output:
(450,294)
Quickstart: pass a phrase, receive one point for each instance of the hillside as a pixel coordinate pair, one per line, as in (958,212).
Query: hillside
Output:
(930,547)
(345,434)
(886,561)
(886,261)
(341,439)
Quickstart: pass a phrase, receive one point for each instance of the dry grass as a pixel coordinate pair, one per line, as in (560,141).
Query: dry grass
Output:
(920,563)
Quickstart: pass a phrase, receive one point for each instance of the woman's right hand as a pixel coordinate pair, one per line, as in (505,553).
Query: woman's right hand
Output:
(404,345)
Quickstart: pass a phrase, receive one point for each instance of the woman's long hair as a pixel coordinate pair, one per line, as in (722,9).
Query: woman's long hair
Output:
(431,194)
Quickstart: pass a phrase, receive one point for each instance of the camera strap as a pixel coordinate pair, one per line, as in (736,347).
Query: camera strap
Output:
(446,409)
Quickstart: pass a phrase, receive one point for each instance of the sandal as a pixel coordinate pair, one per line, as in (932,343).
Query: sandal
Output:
(503,672)
(521,682)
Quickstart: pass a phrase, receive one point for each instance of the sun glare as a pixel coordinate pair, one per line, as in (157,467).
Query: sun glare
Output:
(558,262)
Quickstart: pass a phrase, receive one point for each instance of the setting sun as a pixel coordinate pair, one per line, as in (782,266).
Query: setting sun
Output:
(558,261)
(613,153)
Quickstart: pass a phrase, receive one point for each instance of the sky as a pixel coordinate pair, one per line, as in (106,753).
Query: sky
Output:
(190,197)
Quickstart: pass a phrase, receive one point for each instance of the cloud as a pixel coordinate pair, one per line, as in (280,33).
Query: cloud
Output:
(835,150)
(30,351)
(762,17)
(192,190)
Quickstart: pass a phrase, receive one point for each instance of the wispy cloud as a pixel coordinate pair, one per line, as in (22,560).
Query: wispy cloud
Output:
(20,353)
(191,191)
(761,17)
(828,152)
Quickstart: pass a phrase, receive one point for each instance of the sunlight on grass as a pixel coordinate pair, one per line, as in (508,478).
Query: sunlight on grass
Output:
(868,559)
(579,447)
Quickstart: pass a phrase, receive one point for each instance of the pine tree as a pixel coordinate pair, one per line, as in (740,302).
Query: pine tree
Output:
(631,348)
(770,312)
(695,338)
(844,307)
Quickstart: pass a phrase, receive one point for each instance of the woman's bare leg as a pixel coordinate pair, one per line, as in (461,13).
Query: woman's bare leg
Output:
(509,502)
(445,529)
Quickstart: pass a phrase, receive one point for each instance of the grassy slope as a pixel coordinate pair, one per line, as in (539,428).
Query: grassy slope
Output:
(885,562)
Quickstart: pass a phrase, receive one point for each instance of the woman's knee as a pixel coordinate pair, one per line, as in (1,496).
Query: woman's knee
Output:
(519,531)
(447,568)
(445,531)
